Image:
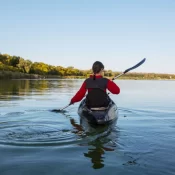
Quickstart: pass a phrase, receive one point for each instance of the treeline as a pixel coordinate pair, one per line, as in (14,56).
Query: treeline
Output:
(18,67)
(19,64)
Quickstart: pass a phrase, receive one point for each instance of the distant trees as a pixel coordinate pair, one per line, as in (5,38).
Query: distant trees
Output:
(24,65)
(14,63)
(19,64)
(109,73)
(39,68)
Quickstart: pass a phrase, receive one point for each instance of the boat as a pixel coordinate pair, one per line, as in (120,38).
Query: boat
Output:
(100,115)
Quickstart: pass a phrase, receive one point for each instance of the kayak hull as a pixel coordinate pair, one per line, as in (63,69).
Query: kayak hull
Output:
(98,116)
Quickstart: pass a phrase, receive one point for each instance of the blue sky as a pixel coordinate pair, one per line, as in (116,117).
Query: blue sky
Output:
(76,33)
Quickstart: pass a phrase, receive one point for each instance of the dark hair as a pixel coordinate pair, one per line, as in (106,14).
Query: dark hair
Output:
(97,67)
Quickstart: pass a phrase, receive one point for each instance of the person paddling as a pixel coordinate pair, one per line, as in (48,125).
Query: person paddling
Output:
(96,85)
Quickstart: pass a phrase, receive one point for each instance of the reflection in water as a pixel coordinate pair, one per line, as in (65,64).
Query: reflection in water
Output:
(100,145)
(97,146)
(34,140)
(26,87)
(96,154)
(33,132)
(96,157)
(18,87)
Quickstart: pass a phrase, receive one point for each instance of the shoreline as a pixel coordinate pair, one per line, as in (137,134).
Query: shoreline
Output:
(9,75)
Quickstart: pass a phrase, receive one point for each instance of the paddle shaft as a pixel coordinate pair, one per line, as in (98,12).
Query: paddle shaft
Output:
(118,76)
(127,70)
(131,68)
(64,107)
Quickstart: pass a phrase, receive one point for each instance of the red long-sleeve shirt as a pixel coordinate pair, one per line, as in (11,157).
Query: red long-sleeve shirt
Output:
(111,86)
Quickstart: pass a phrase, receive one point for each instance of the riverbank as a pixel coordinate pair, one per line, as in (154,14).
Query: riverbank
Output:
(18,75)
(129,76)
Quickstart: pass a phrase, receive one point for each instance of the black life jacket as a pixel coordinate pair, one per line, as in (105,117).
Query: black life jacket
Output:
(97,96)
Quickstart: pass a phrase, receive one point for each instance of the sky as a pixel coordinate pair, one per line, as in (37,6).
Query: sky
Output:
(119,33)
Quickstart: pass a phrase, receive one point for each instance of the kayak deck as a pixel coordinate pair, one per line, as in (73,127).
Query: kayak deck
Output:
(101,115)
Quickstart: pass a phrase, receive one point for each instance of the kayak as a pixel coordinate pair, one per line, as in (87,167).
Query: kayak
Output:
(101,115)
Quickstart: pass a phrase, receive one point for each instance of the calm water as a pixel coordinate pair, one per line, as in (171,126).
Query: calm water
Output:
(34,140)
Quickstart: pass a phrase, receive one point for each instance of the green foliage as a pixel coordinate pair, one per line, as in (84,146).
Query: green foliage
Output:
(5,59)
(21,67)
(24,65)
(4,67)
(14,61)
(108,73)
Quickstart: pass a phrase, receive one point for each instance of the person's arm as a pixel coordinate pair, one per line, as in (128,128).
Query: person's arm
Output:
(80,94)
(112,87)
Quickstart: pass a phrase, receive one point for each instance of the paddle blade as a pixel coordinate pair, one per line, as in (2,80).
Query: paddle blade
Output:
(61,110)
(55,110)
(137,65)
(58,111)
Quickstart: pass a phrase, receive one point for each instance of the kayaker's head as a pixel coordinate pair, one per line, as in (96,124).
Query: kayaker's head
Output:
(97,68)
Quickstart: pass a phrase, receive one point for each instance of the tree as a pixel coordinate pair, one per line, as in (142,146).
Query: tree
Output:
(25,65)
(14,61)
(5,59)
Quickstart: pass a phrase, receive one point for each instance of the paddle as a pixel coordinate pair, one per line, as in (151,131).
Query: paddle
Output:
(129,69)
(62,109)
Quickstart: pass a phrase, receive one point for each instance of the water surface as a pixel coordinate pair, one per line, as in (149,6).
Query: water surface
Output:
(34,140)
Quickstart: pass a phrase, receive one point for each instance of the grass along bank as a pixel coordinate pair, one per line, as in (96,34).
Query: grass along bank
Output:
(129,76)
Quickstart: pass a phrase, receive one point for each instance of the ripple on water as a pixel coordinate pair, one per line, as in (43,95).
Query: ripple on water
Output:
(34,128)
(43,128)
(34,134)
